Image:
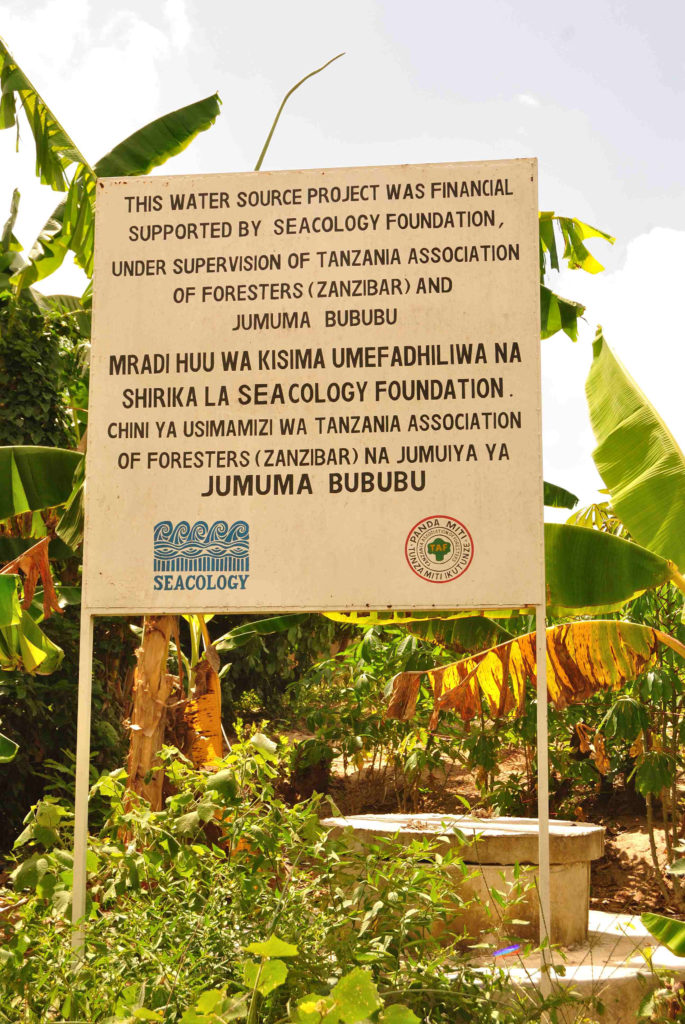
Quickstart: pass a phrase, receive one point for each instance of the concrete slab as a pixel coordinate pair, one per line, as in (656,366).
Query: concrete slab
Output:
(616,966)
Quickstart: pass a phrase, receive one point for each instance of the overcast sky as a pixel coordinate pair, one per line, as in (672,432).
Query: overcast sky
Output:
(594,90)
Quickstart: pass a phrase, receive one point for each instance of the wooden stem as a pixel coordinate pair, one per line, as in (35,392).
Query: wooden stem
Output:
(151,690)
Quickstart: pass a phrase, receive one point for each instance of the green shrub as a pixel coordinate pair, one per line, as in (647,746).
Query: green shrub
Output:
(176,898)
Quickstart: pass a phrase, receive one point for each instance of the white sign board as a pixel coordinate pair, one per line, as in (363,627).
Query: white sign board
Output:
(316,389)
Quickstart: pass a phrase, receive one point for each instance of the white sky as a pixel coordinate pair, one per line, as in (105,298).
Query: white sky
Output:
(595,90)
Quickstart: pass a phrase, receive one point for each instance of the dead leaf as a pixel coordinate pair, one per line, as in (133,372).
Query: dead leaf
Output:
(600,756)
(212,657)
(405,690)
(584,733)
(582,658)
(637,747)
(34,565)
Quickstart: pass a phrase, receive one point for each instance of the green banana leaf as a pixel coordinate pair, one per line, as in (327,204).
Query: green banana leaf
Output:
(558,497)
(55,150)
(65,596)
(159,140)
(589,572)
(33,478)
(10,248)
(599,516)
(667,931)
(12,547)
(261,627)
(637,457)
(556,313)
(10,609)
(72,521)
(574,233)
(25,647)
(71,224)
(460,635)
(12,263)
(8,240)
(8,748)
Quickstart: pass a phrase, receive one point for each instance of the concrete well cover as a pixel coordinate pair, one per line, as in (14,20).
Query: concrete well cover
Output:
(496,840)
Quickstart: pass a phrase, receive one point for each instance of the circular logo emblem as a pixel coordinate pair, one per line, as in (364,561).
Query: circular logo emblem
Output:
(439,549)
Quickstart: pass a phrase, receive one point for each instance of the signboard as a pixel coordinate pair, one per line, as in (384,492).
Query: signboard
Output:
(316,389)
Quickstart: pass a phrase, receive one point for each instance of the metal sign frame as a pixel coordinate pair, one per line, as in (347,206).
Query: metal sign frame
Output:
(83,783)
(534,587)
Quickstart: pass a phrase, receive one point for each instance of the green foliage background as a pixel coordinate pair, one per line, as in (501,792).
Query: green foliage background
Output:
(35,364)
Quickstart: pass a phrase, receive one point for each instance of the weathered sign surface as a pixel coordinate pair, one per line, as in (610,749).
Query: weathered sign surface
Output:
(316,389)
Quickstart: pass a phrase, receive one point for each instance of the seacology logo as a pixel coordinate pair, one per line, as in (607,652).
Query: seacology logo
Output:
(201,557)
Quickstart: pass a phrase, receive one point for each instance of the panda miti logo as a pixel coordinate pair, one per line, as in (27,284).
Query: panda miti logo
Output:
(439,549)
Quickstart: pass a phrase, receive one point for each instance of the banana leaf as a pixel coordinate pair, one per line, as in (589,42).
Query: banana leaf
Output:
(71,224)
(33,478)
(12,547)
(574,233)
(65,596)
(637,457)
(10,609)
(587,571)
(8,748)
(460,635)
(582,658)
(34,565)
(667,931)
(557,313)
(55,150)
(260,627)
(72,520)
(158,141)
(558,497)
(8,241)
(25,647)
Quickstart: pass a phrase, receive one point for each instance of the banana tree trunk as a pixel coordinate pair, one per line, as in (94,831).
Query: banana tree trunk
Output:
(202,715)
(152,688)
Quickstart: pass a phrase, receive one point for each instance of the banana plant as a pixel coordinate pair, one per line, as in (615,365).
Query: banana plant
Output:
(62,166)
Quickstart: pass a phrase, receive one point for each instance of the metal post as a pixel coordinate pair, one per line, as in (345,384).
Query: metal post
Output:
(85,686)
(543,794)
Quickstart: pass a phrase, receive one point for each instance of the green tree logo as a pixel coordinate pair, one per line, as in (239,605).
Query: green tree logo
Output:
(438,548)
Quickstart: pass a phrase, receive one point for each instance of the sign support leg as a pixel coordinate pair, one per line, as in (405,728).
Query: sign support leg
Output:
(543,793)
(85,671)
